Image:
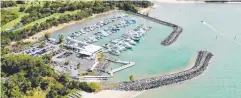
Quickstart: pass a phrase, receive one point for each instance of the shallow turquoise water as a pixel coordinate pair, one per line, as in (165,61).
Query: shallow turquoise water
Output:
(222,79)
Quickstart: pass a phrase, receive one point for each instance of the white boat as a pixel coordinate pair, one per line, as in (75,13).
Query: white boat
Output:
(127,45)
(115,41)
(114,50)
(130,41)
(104,33)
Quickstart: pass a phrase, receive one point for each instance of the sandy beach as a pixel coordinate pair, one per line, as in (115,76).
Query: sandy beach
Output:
(112,94)
(144,10)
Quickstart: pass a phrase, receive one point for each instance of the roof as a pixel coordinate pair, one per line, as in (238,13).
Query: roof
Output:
(90,49)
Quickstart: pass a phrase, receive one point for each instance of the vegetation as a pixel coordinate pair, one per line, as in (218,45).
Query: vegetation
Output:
(42,44)
(131,77)
(37,12)
(78,65)
(94,87)
(23,74)
(128,7)
(87,73)
(7,16)
(100,57)
(47,36)
(66,63)
(8,4)
(61,38)
(20,44)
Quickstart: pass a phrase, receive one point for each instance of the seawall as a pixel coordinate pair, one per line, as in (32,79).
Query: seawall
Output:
(201,64)
(173,36)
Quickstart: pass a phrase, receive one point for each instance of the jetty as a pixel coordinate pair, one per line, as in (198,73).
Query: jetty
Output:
(173,36)
(94,65)
(127,64)
(96,77)
(201,64)
(111,72)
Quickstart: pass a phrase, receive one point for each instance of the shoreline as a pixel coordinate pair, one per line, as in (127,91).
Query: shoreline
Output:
(36,37)
(39,35)
(201,63)
(112,94)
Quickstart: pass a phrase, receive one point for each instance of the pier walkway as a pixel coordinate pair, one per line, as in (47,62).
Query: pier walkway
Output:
(94,65)
(122,67)
(97,77)
(127,64)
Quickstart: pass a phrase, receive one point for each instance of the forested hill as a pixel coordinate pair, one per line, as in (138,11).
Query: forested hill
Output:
(37,16)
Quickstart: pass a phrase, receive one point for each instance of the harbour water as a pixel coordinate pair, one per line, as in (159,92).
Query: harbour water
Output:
(221,23)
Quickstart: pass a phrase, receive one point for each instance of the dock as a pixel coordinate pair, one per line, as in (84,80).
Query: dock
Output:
(94,65)
(129,64)
(97,77)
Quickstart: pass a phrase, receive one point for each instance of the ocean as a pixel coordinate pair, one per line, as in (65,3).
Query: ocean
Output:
(211,27)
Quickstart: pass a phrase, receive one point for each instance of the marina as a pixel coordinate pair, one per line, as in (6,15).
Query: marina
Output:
(184,49)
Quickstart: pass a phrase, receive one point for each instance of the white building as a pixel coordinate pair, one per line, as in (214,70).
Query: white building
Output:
(91,50)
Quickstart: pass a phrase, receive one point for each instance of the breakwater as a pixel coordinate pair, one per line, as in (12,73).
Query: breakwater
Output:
(201,63)
(177,30)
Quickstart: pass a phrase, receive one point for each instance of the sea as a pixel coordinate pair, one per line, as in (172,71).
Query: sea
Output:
(212,27)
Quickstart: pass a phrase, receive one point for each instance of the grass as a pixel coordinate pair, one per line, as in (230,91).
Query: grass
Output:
(21,14)
(13,22)
(87,73)
(56,15)
(17,20)
(37,93)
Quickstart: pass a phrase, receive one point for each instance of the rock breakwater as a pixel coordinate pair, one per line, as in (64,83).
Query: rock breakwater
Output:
(201,63)
(177,30)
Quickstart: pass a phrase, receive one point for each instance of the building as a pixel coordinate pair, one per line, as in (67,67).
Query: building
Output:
(90,50)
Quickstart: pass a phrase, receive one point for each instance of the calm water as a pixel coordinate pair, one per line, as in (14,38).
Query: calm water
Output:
(222,79)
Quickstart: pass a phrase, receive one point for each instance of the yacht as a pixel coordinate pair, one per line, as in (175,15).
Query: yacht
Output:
(130,41)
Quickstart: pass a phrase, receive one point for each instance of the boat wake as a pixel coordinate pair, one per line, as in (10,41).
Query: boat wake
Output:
(219,32)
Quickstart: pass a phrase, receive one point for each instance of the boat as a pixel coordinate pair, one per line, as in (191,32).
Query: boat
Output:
(114,50)
(130,41)
(127,45)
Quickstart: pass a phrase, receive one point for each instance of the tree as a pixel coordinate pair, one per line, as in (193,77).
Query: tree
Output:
(78,65)
(42,45)
(52,94)
(21,9)
(4,50)
(131,77)
(15,92)
(64,78)
(47,58)
(47,36)
(94,87)
(66,63)
(44,85)
(100,57)
(61,38)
